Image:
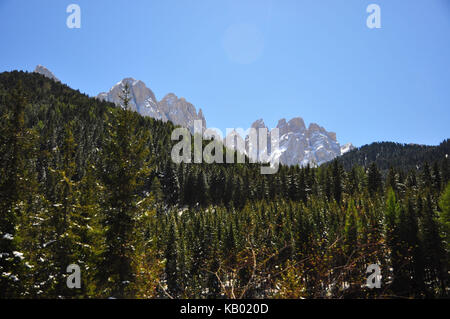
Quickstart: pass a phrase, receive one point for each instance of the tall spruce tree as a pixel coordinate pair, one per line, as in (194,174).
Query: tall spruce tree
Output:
(123,173)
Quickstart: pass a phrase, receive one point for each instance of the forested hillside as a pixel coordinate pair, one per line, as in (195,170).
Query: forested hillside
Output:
(401,156)
(84,182)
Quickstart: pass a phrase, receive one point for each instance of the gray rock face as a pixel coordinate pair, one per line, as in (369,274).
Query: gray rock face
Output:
(45,72)
(300,145)
(143,100)
(181,112)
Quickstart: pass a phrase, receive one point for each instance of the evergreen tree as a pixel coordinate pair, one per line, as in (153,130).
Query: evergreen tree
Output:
(171,269)
(444,217)
(337,182)
(156,191)
(123,172)
(434,257)
(436,177)
(374,183)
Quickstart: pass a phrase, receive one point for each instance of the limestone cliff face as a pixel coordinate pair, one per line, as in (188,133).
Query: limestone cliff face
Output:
(298,144)
(143,100)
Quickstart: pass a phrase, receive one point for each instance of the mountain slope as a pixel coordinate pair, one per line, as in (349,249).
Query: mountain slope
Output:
(387,154)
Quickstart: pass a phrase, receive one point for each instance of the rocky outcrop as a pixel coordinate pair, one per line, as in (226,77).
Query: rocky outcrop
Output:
(45,72)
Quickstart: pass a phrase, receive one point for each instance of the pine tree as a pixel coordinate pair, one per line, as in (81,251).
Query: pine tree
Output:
(172,269)
(391,180)
(170,185)
(61,219)
(435,264)
(189,190)
(201,189)
(374,182)
(445,169)
(337,182)
(436,177)
(412,250)
(427,181)
(444,217)
(392,213)
(123,172)
(156,191)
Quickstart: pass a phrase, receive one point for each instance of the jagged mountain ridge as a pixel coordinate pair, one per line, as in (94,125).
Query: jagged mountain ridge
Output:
(143,100)
(298,144)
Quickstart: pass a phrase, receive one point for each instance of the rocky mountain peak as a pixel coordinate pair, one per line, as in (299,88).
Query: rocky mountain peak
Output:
(313,127)
(259,124)
(170,98)
(180,112)
(301,145)
(281,122)
(296,124)
(143,100)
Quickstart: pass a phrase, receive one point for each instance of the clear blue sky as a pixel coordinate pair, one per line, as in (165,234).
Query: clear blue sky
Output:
(241,60)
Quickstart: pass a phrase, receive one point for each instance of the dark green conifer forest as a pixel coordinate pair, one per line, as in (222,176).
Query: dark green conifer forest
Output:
(85,182)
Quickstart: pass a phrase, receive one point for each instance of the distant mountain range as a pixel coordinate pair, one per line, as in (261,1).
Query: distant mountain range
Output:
(298,144)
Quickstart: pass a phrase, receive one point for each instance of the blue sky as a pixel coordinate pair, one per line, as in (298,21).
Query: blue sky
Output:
(240,60)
